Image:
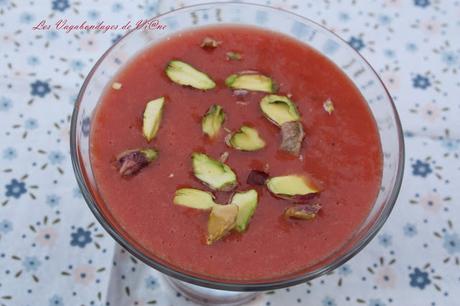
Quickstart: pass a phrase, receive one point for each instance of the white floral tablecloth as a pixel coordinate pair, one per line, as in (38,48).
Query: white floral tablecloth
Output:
(52,250)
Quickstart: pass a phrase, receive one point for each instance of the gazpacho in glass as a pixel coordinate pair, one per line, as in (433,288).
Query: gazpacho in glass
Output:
(235,153)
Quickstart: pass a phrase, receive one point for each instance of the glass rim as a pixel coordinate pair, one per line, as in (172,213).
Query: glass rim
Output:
(218,284)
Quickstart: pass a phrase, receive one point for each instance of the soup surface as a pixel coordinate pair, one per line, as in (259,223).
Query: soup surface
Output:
(341,152)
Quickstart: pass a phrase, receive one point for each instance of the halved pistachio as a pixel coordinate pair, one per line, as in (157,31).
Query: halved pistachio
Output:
(212,121)
(116,85)
(222,220)
(328,106)
(251,81)
(184,74)
(303,212)
(233,56)
(210,43)
(152,118)
(292,135)
(247,204)
(279,109)
(216,175)
(130,162)
(245,139)
(292,187)
(194,198)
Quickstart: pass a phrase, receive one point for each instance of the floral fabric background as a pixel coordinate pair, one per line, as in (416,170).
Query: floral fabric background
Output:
(52,250)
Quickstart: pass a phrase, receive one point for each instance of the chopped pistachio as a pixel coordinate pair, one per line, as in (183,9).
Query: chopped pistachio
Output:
(116,85)
(240,93)
(132,161)
(292,187)
(279,109)
(328,106)
(302,212)
(152,118)
(216,175)
(251,81)
(222,220)
(257,177)
(292,135)
(194,198)
(266,167)
(209,43)
(245,139)
(213,120)
(247,204)
(223,157)
(184,74)
(233,56)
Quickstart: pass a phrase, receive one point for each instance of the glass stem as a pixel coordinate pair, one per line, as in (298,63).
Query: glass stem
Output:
(211,297)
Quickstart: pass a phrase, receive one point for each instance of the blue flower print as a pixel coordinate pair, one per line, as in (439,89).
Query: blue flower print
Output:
(55,157)
(452,243)
(77,65)
(86,126)
(93,14)
(73,98)
(376,302)
(6,227)
(150,8)
(301,30)
(116,38)
(356,43)
(33,60)
(330,46)
(52,35)
(411,47)
(117,7)
(389,53)
(77,193)
(80,238)
(421,168)
(53,200)
(151,283)
(422,3)
(60,5)
(40,88)
(31,263)
(31,124)
(384,19)
(26,18)
(328,301)
(344,270)
(56,300)
(450,58)
(420,81)
(410,230)
(409,134)
(9,153)
(451,144)
(15,189)
(343,16)
(385,240)
(5,104)
(419,279)
(261,17)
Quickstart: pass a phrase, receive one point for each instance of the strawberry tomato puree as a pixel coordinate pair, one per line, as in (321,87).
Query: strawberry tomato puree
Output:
(341,153)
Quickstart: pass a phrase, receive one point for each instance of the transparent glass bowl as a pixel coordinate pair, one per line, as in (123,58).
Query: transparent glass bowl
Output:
(301,29)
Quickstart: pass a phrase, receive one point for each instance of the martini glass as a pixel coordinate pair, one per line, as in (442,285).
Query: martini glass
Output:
(203,289)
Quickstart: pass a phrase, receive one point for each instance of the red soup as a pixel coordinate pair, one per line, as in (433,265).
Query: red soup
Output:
(340,156)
